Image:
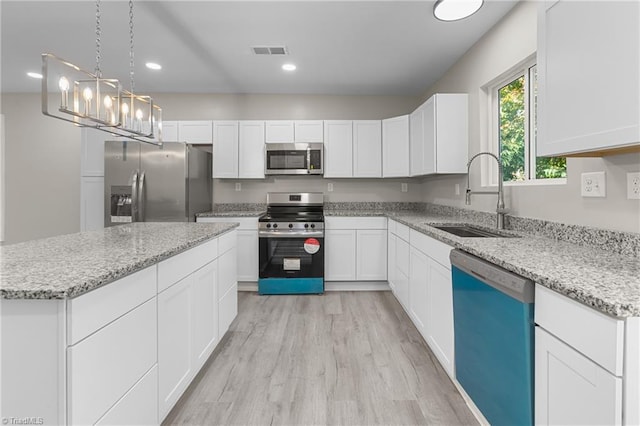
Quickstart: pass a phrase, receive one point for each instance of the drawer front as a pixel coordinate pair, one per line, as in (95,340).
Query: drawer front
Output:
(227,241)
(391,226)
(597,336)
(403,231)
(355,223)
(104,366)
(139,406)
(92,311)
(172,270)
(433,248)
(246,223)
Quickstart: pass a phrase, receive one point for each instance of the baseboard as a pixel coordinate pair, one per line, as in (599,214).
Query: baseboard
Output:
(356,286)
(472,406)
(331,286)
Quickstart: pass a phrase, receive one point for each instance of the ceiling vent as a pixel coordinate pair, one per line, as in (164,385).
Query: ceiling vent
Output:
(270,50)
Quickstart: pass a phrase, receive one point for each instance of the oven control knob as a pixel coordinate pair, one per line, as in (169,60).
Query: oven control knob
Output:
(290,225)
(275,225)
(306,225)
(268,225)
(313,225)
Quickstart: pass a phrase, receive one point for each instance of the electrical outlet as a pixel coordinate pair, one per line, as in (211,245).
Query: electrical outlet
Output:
(457,189)
(404,187)
(633,186)
(330,187)
(238,186)
(593,184)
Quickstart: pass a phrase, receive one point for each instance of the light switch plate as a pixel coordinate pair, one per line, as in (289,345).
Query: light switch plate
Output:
(633,186)
(238,186)
(404,187)
(593,184)
(330,187)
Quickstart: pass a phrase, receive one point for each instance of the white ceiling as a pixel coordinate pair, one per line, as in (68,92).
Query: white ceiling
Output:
(340,47)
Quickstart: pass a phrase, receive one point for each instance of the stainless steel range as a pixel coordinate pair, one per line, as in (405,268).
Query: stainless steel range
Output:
(291,236)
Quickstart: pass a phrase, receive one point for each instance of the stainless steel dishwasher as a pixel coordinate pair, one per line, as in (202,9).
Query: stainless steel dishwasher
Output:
(494,338)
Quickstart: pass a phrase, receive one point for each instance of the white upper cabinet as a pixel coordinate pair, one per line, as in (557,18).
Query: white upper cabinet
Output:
(278,131)
(367,148)
(395,147)
(194,131)
(308,131)
(251,150)
(170,131)
(285,131)
(338,148)
(225,149)
(416,141)
(439,135)
(588,76)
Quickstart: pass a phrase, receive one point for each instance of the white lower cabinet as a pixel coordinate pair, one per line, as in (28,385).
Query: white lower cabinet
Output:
(572,389)
(247,245)
(205,312)
(340,255)
(356,249)
(175,343)
(422,284)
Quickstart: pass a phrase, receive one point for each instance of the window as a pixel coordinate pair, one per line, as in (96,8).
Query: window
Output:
(515,107)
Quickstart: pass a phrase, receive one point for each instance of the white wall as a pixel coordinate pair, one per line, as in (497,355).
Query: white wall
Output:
(505,45)
(42,171)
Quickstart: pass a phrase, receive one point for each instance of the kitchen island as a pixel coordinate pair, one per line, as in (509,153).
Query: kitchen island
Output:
(111,326)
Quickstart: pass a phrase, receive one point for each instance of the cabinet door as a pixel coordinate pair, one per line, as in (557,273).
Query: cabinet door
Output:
(251,150)
(440,314)
(227,290)
(571,389)
(371,255)
(175,355)
(91,203)
(338,148)
(367,148)
(395,147)
(278,131)
(248,255)
(451,132)
(308,131)
(418,293)
(416,141)
(582,105)
(195,131)
(225,149)
(340,255)
(391,261)
(170,131)
(429,141)
(205,312)
(92,150)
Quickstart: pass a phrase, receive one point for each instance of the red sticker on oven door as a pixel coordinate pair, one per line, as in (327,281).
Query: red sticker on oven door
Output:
(311,245)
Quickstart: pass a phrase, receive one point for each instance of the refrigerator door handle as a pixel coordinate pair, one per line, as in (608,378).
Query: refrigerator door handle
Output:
(134,197)
(141,198)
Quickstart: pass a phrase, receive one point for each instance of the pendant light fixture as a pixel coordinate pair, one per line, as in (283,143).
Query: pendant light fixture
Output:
(88,100)
(454,10)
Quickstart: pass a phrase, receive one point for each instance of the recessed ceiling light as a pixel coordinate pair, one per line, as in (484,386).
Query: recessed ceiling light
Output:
(289,67)
(34,74)
(453,10)
(153,66)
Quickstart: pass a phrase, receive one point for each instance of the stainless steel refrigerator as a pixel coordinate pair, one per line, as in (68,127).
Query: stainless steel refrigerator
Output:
(147,183)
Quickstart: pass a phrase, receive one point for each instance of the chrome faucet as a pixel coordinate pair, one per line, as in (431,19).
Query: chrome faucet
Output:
(500,210)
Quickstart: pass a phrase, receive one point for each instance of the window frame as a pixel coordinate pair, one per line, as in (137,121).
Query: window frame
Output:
(489,169)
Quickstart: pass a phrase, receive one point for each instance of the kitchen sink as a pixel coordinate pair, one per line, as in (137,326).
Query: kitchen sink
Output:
(468,231)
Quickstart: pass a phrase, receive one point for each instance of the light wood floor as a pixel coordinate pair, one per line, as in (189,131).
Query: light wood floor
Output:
(343,358)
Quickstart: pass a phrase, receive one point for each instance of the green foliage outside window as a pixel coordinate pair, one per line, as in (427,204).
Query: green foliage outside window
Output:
(512,136)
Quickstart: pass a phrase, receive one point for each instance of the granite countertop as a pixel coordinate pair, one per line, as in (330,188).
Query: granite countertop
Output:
(67,266)
(233,213)
(601,279)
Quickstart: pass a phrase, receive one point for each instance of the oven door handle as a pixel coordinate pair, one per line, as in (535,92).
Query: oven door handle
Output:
(290,234)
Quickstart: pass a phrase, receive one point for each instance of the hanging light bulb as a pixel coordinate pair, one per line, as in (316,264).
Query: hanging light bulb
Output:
(108,109)
(87,95)
(63,84)
(125,114)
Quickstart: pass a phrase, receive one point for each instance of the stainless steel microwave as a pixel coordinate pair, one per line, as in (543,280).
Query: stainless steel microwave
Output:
(294,158)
